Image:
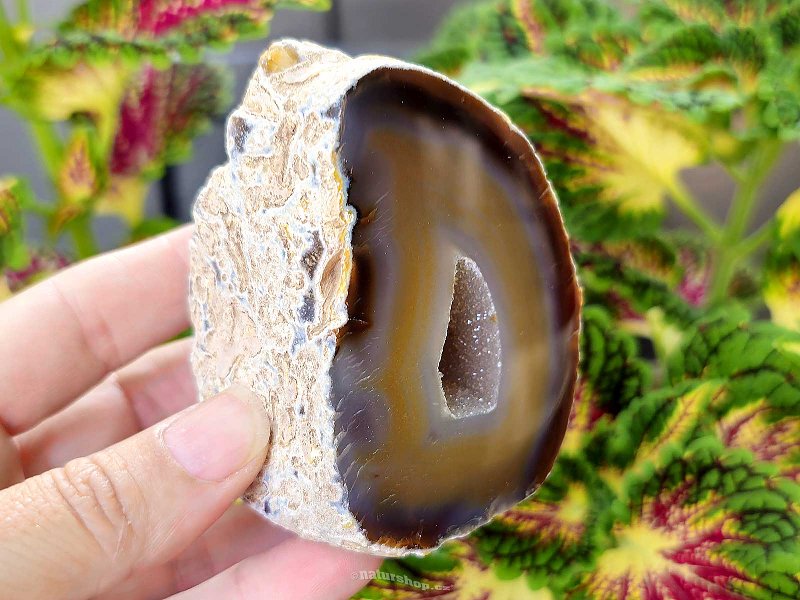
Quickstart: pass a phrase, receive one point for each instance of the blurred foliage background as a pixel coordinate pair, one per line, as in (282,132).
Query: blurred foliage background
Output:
(679,474)
(111,96)
(680,470)
(211,68)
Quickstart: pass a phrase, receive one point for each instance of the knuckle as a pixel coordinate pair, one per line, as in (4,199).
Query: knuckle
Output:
(102,495)
(193,566)
(243,583)
(95,331)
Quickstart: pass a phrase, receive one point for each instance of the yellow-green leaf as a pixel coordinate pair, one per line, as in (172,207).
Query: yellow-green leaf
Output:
(94,89)
(782,295)
(78,178)
(14,194)
(788,216)
(637,151)
(9,205)
(782,271)
(124,197)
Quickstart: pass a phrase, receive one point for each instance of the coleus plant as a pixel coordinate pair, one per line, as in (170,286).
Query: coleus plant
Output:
(111,96)
(680,472)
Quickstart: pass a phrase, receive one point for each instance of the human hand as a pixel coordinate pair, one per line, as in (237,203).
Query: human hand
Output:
(111,494)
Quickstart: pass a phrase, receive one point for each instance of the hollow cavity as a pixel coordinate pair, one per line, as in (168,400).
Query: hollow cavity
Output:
(470,363)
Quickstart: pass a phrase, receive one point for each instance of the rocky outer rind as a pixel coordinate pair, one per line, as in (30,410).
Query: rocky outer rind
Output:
(270,265)
(270,268)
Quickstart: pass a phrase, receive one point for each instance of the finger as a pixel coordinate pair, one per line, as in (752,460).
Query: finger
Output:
(238,534)
(10,465)
(151,388)
(137,504)
(294,570)
(76,327)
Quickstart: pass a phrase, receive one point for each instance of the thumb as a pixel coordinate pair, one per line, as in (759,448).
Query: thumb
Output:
(74,531)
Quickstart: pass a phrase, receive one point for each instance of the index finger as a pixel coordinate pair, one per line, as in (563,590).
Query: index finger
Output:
(65,334)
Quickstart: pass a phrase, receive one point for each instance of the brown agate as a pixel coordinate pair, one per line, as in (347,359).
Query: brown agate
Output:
(383,261)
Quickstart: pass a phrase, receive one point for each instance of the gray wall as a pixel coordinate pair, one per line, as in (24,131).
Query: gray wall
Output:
(394,27)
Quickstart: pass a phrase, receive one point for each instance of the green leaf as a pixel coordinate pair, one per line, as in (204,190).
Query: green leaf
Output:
(742,46)
(80,47)
(587,32)
(629,293)
(614,146)
(179,25)
(688,51)
(717,14)
(482,31)
(689,489)
(679,260)
(758,360)
(777,96)
(685,50)
(770,439)
(609,363)
(654,427)
(785,25)
(556,533)
(708,522)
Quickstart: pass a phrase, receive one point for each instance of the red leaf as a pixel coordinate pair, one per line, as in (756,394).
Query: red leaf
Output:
(157,17)
(198,21)
(160,114)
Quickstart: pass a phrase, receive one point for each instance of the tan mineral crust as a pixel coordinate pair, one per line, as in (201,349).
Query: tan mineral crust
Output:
(271,264)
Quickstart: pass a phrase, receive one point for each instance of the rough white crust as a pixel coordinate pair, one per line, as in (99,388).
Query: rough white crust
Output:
(270,266)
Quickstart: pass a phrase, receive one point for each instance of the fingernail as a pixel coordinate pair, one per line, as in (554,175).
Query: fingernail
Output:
(218,437)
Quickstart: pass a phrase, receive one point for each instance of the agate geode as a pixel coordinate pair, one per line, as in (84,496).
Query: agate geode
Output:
(382,260)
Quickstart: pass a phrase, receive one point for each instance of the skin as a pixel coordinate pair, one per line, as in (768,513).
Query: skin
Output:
(114,484)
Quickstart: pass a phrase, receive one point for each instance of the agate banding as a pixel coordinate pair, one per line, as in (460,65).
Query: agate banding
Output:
(382,260)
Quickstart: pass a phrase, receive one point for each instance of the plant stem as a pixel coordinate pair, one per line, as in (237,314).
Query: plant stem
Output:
(23,13)
(49,146)
(81,231)
(744,202)
(40,208)
(684,200)
(7,43)
(755,240)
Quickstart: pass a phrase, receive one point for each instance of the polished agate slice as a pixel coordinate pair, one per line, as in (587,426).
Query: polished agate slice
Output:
(383,262)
